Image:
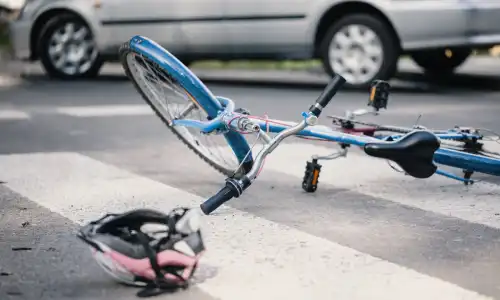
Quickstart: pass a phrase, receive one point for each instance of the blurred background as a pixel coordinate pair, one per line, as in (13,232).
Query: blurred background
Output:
(62,90)
(361,40)
(435,51)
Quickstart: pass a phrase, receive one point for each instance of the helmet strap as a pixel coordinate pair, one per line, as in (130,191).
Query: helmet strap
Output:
(160,284)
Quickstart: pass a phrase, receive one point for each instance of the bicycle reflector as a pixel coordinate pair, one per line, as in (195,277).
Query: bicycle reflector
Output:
(379,94)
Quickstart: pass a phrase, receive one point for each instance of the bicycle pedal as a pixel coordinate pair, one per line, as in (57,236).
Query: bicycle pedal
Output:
(311,175)
(379,94)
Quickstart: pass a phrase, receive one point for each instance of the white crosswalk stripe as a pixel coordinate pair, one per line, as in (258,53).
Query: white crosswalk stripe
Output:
(477,203)
(257,258)
(89,111)
(105,110)
(11,115)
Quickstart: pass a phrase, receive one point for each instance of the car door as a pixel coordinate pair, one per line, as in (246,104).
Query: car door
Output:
(425,23)
(260,27)
(485,18)
(202,30)
(177,25)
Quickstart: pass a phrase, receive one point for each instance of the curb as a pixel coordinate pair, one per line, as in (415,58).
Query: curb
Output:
(479,72)
(9,76)
(7,81)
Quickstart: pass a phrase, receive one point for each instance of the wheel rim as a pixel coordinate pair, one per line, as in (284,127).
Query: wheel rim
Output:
(173,102)
(71,49)
(356,53)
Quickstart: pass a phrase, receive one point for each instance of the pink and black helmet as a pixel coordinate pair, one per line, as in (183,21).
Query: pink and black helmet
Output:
(158,260)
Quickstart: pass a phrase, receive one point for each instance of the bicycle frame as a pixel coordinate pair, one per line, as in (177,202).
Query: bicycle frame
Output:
(468,162)
(414,152)
(225,121)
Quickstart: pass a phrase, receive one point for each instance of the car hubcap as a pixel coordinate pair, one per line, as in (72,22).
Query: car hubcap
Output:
(356,53)
(72,49)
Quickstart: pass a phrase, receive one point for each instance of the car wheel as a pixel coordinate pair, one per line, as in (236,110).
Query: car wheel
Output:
(441,61)
(67,48)
(361,48)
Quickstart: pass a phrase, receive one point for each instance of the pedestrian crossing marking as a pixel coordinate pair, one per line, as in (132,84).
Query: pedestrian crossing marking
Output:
(478,203)
(105,110)
(11,115)
(254,257)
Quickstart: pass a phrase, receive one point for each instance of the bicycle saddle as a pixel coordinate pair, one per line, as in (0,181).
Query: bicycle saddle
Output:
(413,152)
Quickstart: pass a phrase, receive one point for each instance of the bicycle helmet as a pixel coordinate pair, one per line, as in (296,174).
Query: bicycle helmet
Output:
(158,260)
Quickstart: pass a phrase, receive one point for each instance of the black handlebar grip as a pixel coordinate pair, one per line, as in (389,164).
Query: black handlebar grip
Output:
(225,194)
(329,92)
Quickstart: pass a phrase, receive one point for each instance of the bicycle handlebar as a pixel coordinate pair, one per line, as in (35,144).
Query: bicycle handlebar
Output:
(212,203)
(331,89)
(232,189)
(235,187)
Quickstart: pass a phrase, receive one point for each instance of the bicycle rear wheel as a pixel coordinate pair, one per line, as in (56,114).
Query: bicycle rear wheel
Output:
(173,92)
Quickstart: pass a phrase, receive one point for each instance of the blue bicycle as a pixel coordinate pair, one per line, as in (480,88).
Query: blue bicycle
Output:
(463,139)
(211,126)
(466,140)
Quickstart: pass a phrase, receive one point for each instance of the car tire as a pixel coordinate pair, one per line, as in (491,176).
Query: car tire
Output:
(384,63)
(436,62)
(86,62)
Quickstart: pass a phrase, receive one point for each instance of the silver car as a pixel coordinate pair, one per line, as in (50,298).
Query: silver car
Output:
(359,39)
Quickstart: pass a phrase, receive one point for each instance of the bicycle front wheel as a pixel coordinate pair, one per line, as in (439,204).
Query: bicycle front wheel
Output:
(161,80)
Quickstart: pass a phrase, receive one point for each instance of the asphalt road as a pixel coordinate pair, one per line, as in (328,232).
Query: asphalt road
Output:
(73,151)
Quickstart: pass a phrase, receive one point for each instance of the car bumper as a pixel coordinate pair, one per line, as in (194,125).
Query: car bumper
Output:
(19,36)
